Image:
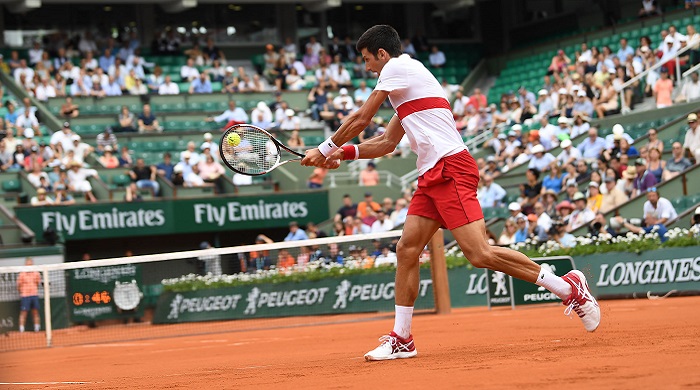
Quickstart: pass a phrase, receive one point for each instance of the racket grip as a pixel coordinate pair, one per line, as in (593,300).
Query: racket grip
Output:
(351,152)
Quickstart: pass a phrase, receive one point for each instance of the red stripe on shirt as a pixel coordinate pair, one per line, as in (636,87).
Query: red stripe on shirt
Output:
(427,103)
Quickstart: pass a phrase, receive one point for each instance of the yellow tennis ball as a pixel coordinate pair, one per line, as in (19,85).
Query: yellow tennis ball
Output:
(233,139)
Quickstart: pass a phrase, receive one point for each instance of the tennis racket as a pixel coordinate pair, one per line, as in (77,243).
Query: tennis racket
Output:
(257,151)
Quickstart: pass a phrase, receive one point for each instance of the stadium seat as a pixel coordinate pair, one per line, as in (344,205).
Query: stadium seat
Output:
(11,185)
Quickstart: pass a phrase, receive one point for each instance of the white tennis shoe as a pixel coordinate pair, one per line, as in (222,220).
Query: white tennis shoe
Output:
(582,301)
(392,347)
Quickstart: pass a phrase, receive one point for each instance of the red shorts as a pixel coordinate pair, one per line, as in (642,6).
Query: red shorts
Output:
(447,192)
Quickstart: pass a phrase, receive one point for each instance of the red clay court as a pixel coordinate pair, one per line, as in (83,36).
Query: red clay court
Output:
(650,344)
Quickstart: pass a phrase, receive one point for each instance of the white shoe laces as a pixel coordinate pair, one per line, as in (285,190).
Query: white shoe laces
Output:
(393,343)
(574,303)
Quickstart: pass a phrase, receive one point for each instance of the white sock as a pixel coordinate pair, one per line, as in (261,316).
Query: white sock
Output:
(553,283)
(37,327)
(21,328)
(402,321)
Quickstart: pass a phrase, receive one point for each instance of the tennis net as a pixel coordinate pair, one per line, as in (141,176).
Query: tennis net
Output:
(325,280)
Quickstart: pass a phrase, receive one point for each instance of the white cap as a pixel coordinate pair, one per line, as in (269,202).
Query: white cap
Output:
(262,105)
(669,39)
(562,91)
(205,145)
(28,133)
(537,149)
(514,206)
(207,136)
(581,93)
(186,154)
(565,143)
(594,184)
(618,129)
(75,137)
(612,70)
(697,211)
(343,91)
(563,119)
(229,69)
(542,92)
(289,112)
(177,168)
(517,127)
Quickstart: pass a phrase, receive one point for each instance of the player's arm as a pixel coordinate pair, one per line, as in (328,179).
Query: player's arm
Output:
(378,146)
(354,124)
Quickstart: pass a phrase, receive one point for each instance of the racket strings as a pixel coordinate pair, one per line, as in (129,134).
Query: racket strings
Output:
(256,153)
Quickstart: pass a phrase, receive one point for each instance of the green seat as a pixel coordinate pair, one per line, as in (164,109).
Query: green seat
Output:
(166,146)
(216,86)
(121,180)
(680,203)
(11,185)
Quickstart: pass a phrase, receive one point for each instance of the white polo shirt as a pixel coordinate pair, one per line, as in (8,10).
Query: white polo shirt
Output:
(663,209)
(423,108)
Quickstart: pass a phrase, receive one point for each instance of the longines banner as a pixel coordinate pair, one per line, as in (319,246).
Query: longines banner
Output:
(95,221)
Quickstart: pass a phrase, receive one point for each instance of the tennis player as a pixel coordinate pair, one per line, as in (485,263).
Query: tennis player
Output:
(446,194)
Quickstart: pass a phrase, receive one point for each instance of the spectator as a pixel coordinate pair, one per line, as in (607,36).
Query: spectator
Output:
(542,218)
(618,133)
(28,120)
(262,108)
(290,122)
(62,137)
(212,172)
(201,84)
(657,209)
(317,177)
(549,201)
(80,149)
(477,99)
(168,87)
(490,194)
(112,87)
(545,106)
(437,58)
(188,72)
(644,179)
(581,215)
(127,120)
(554,180)
(508,235)
(106,138)
(608,100)
(398,216)
(530,191)
(125,159)
(654,141)
(369,176)
(559,234)
(192,178)
(132,194)
(383,223)
(295,234)
(62,197)
(108,159)
(387,257)
(655,165)
(28,287)
(592,146)
(595,197)
(212,263)
(515,211)
(147,122)
(78,180)
(521,234)
(663,89)
(583,108)
(164,169)
(349,209)
(649,8)
(564,209)
(540,160)
(362,92)
(233,115)
(191,154)
(614,197)
(367,206)
(145,176)
(690,91)
(41,199)
(138,88)
(691,143)
(677,163)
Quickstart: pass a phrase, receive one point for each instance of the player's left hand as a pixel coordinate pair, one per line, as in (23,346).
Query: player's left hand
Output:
(314,158)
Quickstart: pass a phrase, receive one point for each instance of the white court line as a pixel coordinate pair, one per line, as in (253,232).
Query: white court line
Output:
(45,383)
(116,345)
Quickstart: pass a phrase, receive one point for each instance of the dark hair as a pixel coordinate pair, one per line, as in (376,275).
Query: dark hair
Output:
(535,172)
(381,36)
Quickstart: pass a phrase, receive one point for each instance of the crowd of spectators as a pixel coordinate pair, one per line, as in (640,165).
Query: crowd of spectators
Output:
(566,192)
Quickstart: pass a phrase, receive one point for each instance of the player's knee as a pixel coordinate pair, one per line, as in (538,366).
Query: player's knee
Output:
(481,256)
(409,253)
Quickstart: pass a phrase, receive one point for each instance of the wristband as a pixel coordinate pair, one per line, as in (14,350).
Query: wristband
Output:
(351,152)
(327,147)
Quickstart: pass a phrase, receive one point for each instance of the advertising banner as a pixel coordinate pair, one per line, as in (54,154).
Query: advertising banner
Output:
(103,293)
(95,221)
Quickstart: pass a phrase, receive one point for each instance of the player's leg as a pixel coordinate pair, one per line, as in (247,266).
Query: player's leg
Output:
(572,288)
(23,313)
(399,344)
(35,313)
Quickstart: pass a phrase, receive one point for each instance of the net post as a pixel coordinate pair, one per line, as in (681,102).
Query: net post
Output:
(438,272)
(47,307)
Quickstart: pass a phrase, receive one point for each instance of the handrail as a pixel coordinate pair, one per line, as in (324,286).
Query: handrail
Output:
(389,178)
(691,70)
(656,66)
(473,143)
